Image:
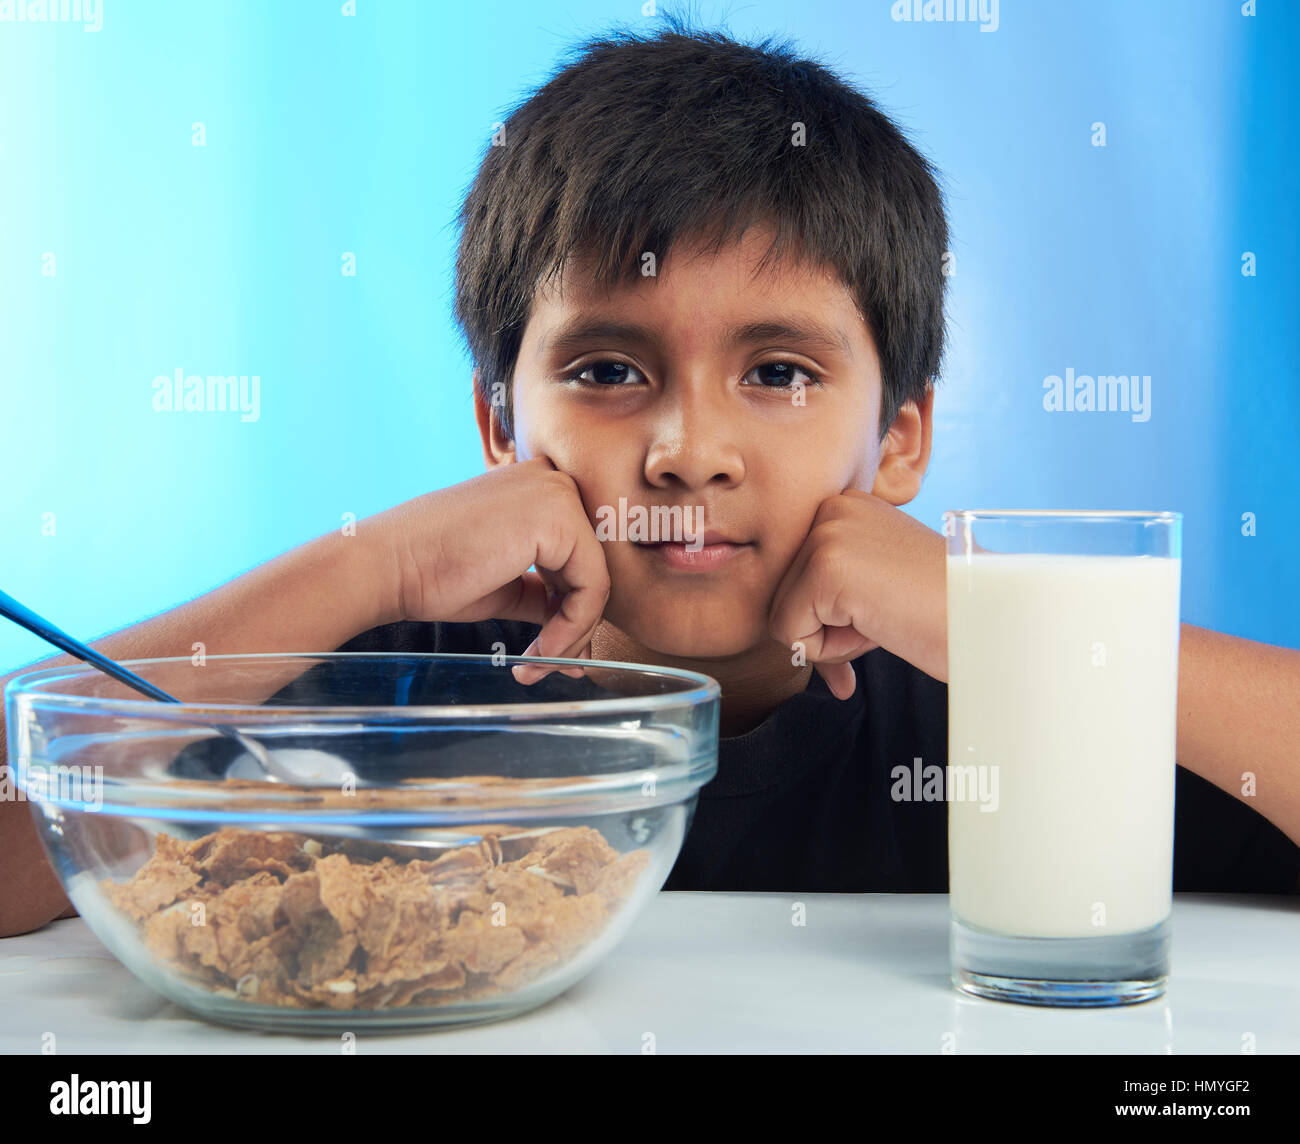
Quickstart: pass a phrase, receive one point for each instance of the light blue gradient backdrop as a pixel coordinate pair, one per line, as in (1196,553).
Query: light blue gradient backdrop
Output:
(328,133)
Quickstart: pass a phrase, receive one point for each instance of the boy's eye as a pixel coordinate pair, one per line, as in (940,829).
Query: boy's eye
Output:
(781,375)
(607,373)
(772,374)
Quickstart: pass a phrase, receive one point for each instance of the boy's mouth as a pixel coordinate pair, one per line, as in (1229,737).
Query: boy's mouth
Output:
(716,551)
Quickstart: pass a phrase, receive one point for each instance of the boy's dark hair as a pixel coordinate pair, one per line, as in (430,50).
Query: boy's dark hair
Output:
(643,141)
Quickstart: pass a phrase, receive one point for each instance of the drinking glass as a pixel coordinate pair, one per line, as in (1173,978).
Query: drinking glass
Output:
(1062,697)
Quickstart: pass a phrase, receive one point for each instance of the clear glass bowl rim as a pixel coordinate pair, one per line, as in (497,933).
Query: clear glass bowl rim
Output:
(28,686)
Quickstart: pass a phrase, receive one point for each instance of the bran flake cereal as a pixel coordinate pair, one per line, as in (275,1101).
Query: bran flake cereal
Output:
(309,923)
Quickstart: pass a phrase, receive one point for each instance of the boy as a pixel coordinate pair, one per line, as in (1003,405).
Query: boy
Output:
(694,275)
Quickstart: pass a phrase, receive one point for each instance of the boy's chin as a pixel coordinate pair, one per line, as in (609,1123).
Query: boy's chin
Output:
(693,637)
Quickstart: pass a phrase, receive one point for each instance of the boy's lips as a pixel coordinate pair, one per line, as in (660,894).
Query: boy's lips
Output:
(716,550)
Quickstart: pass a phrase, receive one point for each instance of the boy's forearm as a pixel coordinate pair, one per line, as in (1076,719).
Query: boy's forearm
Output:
(1239,715)
(312,598)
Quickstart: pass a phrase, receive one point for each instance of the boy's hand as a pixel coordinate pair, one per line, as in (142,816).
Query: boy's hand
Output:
(868,575)
(463,554)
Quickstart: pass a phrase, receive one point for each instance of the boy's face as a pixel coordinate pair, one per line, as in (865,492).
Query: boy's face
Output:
(683,415)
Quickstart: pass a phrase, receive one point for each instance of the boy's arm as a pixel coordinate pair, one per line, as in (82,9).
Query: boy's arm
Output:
(1239,713)
(869,575)
(312,598)
(459,554)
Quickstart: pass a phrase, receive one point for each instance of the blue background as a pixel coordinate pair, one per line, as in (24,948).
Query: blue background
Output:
(327,133)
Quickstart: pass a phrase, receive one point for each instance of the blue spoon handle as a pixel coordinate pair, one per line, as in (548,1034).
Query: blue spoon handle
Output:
(37,625)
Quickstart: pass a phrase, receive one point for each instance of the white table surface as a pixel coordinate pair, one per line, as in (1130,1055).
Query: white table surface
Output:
(729,973)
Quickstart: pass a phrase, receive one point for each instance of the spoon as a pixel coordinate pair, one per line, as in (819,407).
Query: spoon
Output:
(38,625)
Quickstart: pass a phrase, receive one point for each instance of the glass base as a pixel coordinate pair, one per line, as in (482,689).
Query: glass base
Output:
(1117,969)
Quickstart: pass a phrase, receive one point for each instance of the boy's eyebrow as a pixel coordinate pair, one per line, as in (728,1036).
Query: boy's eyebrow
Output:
(575,333)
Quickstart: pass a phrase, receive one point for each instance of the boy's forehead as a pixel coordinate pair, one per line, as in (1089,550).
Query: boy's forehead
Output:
(734,267)
(707,291)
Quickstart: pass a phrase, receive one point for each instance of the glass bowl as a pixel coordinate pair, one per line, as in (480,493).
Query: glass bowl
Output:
(436,842)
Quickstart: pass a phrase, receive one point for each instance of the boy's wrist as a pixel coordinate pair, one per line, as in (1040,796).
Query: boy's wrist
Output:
(365,574)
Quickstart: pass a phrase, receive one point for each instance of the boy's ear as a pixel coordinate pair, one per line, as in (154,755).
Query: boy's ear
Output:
(498,448)
(905,452)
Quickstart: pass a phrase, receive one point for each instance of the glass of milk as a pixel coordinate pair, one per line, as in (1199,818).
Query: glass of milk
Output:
(1062,718)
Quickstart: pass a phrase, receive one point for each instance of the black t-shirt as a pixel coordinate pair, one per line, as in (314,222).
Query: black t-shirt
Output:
(803,802)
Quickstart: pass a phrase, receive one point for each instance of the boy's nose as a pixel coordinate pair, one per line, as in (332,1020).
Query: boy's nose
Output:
(694,445)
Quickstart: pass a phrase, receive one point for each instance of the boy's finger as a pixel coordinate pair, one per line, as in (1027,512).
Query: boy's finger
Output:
(531,673)
(839,645)
(839,677)
(579,568)
(795,622)
(789,581)
(583,653)
(812,597)
(526,673)
(524,598)
(830,645)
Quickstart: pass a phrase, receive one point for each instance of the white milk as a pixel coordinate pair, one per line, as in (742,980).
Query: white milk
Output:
(1063,671)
